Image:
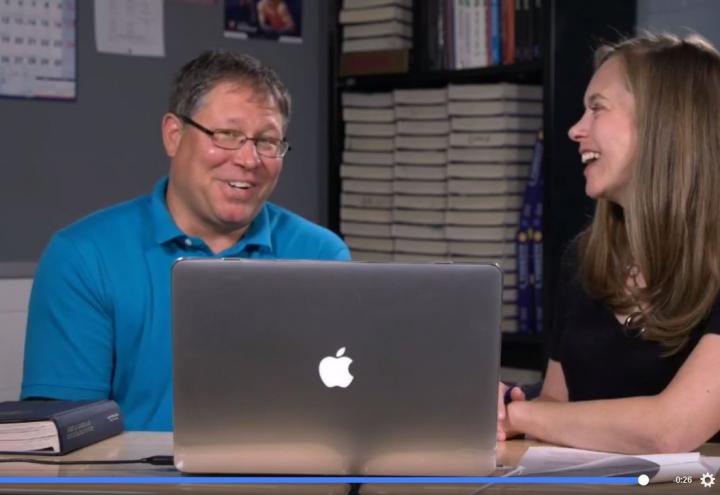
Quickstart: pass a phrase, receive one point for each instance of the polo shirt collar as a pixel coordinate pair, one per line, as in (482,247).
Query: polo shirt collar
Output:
(258,234)
(164,226)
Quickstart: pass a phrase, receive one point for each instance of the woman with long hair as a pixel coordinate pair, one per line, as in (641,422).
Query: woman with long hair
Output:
(635,351)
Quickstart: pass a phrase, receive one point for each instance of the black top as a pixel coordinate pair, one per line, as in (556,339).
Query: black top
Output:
(598,359)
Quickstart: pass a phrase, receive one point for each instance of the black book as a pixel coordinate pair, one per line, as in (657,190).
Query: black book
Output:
(521,22)
(536,29)
(529,7)
(432,36)
(56,427)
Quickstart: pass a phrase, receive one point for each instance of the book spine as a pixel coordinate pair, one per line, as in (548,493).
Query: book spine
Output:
(430,39)
(488,32)
(496,35)
(524,288)
(377,62)
(450,34)
(460,34)
(537,257)
(537,29)
(440,62)
(508,31)
(530,27)
(479,49)
(522,22)
(535,193)
(87,425)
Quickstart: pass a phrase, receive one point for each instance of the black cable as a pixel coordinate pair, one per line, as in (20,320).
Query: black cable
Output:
(155,460)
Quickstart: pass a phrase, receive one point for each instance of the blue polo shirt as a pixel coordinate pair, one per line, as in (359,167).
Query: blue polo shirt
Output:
(99,316)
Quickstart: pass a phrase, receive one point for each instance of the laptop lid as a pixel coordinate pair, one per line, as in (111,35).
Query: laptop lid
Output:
(335,368)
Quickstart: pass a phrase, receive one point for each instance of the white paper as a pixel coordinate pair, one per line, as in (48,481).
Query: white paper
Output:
(29,436)
(712,462)
(37,48)
(130,27)
(560,461)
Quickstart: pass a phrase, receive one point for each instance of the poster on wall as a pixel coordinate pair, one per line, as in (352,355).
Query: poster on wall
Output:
(130,27)
(37,49)
(279,20)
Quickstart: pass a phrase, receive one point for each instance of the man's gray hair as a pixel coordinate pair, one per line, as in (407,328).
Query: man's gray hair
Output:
(199,76)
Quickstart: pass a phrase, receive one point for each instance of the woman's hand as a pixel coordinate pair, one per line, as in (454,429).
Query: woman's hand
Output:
(504,430)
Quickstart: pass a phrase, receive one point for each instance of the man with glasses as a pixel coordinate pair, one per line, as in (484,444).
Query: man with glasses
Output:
(99,315)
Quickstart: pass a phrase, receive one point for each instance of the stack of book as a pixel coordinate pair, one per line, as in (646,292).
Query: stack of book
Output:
(420,186)
(372,25)
(440,174)
(367,175)
(493,129)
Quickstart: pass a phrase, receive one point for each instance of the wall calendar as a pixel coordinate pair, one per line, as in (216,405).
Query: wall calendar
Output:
(38,48)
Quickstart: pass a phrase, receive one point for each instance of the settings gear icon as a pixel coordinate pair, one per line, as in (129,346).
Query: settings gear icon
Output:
(707,480)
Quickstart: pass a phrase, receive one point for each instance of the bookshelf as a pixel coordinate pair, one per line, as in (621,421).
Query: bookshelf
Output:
(523,72)
(570,31)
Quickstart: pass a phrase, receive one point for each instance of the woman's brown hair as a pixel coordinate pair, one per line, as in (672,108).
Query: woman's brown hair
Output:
(670,226)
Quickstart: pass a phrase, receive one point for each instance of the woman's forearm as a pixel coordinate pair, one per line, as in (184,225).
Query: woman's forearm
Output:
(633,425)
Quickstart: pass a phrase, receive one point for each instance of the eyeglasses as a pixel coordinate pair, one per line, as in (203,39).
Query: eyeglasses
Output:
(229,139)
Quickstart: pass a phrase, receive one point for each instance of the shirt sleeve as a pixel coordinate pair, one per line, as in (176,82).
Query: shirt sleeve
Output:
(69,338)
(333,248)
(343,254)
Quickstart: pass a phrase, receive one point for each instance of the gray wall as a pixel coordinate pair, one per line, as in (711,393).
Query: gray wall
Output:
(681,17)
(62,160)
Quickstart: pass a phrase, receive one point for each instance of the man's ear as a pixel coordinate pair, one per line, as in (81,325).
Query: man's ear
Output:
(172,129)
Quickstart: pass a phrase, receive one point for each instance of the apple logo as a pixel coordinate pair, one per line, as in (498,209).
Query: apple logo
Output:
(334,371)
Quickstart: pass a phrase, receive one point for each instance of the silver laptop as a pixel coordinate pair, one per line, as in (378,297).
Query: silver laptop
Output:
(335,368)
